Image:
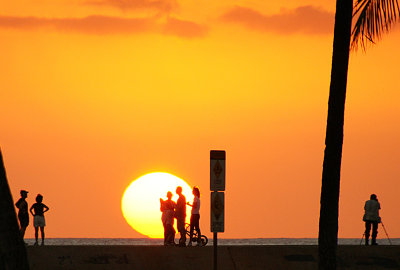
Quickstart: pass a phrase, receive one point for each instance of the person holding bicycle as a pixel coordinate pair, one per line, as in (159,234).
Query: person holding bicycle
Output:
(195,217)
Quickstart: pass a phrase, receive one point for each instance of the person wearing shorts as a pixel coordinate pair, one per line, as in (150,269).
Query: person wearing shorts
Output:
(39,209)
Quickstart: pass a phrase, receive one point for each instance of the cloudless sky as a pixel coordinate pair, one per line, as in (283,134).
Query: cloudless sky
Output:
(94,94)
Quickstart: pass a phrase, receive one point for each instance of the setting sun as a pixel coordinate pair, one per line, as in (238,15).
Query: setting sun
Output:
(141,201)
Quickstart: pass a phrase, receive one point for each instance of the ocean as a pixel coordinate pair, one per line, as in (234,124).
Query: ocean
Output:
(222,242)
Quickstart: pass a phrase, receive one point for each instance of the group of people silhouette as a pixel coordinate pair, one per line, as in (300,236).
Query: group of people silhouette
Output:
(37,210)
(177,210)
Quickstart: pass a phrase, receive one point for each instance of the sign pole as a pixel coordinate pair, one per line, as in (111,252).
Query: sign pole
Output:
(215,251)
(217,188)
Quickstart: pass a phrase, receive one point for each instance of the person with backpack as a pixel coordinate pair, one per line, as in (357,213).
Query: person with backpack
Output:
(371,218)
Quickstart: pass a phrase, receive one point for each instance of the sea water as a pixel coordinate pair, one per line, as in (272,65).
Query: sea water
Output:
(222,242)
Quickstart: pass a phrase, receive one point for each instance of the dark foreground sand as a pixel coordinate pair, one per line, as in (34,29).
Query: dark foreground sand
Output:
(201,258)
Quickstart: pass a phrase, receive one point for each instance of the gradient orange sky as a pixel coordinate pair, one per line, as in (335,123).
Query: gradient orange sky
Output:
(95,93)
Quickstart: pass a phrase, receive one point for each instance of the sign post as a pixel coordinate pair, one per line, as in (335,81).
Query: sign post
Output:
(217,187)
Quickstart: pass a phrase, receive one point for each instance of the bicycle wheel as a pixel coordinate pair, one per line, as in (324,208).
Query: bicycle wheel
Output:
(204,240)
(187,228)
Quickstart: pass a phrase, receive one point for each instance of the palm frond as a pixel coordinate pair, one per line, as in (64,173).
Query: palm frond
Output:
(374,17)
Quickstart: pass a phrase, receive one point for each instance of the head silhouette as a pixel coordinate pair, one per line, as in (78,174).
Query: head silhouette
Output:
(179,190)
(196,191)
(39,198)
(373,197)
(169,195)
(24,193)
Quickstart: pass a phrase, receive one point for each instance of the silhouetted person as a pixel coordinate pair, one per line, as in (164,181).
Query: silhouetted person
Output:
(180,214)
(371,217)
(23,215)
(195,217)
(168,211)
(38,217)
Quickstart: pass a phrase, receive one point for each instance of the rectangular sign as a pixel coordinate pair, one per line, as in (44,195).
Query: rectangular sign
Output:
(217,170)
(217,211)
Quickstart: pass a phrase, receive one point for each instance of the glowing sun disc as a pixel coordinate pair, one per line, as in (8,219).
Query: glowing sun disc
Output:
(141,201)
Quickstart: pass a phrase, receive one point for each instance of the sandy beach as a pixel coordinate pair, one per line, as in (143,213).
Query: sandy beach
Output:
(229,257)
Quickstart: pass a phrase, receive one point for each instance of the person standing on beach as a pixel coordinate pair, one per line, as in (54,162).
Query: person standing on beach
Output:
(168,211)
(23,215)
(38,217)
(371,217)
(180,215)
(195,217)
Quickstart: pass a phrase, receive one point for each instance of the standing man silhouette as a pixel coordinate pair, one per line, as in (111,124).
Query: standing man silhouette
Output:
(23,215)
(180,215)
(371,217)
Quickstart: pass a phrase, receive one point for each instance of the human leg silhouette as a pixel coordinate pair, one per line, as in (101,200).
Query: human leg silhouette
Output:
(42,233)
(367,231)
(374,232)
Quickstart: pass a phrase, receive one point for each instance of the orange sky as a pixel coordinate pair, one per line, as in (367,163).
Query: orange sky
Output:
(95,93)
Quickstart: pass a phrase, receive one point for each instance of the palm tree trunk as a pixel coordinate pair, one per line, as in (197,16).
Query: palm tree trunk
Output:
(329,212)
(13,254)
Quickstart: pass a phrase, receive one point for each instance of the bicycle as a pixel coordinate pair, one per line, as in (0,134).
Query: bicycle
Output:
(203,238)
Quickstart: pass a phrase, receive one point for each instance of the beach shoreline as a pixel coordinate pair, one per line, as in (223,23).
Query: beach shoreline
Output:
(221,241)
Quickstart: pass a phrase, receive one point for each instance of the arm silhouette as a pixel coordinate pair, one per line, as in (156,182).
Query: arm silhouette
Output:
(30,210)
